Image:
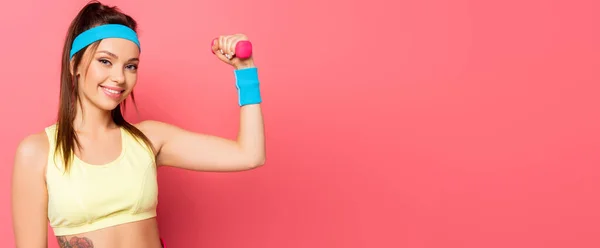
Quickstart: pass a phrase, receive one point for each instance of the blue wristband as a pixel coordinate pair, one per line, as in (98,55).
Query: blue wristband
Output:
(248,86)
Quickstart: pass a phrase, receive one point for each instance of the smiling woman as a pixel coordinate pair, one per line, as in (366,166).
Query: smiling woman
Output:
(92,174)
(102,60)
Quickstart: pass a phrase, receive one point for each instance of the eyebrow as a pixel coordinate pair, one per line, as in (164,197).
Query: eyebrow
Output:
(115,56)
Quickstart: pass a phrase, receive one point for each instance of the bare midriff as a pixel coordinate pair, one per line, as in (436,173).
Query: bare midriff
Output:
(136,234)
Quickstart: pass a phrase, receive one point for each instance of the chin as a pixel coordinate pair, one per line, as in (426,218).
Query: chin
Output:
(106,105)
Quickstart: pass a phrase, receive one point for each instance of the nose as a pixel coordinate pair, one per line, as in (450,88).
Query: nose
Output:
(118,75)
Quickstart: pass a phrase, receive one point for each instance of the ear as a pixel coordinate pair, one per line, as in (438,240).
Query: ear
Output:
(72,67)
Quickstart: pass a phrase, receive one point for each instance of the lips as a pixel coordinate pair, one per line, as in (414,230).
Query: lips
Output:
(112,92)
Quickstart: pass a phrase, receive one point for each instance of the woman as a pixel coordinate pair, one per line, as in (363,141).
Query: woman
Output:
(102,191)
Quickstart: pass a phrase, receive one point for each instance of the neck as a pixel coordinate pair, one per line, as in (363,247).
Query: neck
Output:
(90,119)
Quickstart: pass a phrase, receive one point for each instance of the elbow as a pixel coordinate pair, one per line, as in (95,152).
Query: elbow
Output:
(256,162)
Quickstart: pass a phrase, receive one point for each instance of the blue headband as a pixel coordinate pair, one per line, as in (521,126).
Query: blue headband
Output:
(102,32)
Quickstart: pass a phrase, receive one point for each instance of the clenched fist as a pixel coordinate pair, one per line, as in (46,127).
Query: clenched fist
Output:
(224,48)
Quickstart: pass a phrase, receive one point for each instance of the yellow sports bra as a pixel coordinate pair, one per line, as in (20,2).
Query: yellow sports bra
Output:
(91,197)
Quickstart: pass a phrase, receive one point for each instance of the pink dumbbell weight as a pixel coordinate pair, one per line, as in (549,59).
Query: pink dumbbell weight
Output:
(243,49)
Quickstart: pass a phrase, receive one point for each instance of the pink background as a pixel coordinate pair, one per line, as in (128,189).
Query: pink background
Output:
(390,124)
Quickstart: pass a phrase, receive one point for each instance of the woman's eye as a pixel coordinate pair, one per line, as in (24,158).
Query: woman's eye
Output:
(104,61)
(132,67)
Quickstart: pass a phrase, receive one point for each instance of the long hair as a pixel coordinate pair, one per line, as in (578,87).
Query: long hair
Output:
(91,15)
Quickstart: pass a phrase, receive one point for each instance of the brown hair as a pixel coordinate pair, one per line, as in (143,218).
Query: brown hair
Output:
(92,14)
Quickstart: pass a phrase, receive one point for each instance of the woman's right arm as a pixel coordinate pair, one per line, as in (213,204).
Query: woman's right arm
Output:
(29,195)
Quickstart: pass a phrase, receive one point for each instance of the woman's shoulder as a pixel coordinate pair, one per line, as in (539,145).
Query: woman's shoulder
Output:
(151,128)
(32,151)
(148,124)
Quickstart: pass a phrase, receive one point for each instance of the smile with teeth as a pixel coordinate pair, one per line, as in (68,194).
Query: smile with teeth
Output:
(111,92)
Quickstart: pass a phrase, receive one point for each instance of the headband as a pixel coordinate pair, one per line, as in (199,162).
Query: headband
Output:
(102,32)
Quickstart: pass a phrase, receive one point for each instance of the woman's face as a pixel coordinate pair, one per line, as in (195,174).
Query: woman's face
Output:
(110,75)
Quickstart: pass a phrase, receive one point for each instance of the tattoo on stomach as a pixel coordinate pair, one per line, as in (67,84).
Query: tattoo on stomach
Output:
(75,242)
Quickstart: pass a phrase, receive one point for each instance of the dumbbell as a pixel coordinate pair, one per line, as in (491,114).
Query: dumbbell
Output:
(243,49)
